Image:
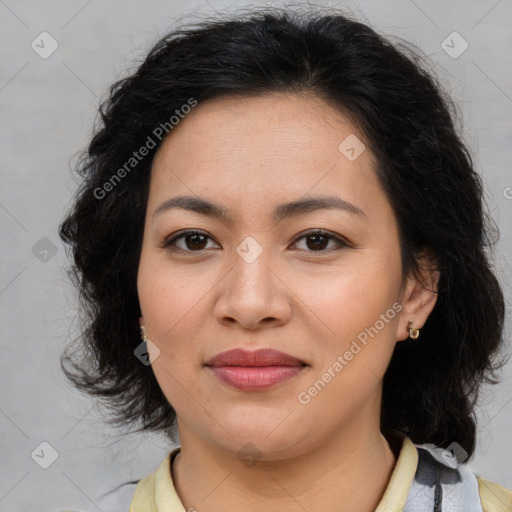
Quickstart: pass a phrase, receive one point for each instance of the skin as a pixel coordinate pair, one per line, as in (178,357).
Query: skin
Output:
(248,155)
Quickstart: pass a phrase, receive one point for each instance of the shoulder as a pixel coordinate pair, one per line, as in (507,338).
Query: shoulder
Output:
(494,497)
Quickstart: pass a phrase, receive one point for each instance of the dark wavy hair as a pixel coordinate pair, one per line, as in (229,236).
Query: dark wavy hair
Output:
(431,386)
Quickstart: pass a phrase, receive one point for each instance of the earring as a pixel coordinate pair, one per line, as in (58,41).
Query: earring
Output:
(142,330)
(413,333)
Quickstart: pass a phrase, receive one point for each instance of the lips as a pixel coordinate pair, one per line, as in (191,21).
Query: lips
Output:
(254,371)
(261,357)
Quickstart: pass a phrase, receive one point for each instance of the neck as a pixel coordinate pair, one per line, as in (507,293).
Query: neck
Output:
(348,472)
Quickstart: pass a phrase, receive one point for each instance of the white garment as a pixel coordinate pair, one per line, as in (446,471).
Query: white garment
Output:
(441,484)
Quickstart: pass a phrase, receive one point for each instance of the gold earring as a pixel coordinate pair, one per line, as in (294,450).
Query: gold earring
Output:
(142,333)
(413,333)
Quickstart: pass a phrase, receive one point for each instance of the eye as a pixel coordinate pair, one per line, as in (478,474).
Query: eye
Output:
(196,241)
(319,239)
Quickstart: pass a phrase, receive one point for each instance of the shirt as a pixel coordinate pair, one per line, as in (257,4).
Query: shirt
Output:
(156,492)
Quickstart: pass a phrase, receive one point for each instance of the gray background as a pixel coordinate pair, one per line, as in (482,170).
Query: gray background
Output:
(48,106)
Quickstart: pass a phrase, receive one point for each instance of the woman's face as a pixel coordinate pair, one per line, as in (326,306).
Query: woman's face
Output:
(254,279)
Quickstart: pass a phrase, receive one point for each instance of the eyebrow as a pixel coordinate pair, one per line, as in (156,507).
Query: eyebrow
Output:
(281,211)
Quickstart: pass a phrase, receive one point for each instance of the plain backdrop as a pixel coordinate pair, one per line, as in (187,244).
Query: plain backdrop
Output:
(48,106)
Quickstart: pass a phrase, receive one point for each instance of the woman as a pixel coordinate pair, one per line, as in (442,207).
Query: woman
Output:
(282,206)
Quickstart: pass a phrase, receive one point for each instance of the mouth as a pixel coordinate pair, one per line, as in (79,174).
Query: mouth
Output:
(255,371)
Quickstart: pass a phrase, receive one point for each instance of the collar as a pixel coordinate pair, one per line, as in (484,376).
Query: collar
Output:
(156,492)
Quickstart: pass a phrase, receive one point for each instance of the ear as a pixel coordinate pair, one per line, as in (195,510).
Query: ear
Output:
(419,297)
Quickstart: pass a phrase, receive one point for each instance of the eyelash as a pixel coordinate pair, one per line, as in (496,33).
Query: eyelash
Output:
(168,244)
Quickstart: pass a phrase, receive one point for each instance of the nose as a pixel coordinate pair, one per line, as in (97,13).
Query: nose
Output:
(253,294)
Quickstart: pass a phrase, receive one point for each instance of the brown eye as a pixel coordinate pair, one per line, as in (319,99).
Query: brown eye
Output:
(317,241)
(194,241)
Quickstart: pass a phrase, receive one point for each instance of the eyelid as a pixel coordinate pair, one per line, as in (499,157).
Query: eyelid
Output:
(338,239)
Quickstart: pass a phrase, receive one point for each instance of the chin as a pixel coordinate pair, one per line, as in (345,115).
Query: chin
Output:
(269,440)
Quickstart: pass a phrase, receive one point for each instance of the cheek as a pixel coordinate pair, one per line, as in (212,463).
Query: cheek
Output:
(170,305)
(170,296)
(353,296)
(358,309)
(178,365)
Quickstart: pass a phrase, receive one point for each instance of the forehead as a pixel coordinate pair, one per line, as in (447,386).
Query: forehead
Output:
(299,125)
(264,149)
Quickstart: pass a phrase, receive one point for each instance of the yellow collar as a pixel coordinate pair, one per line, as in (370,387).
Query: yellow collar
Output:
(401,479)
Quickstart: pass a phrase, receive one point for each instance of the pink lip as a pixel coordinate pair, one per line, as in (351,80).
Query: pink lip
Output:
(254,371)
